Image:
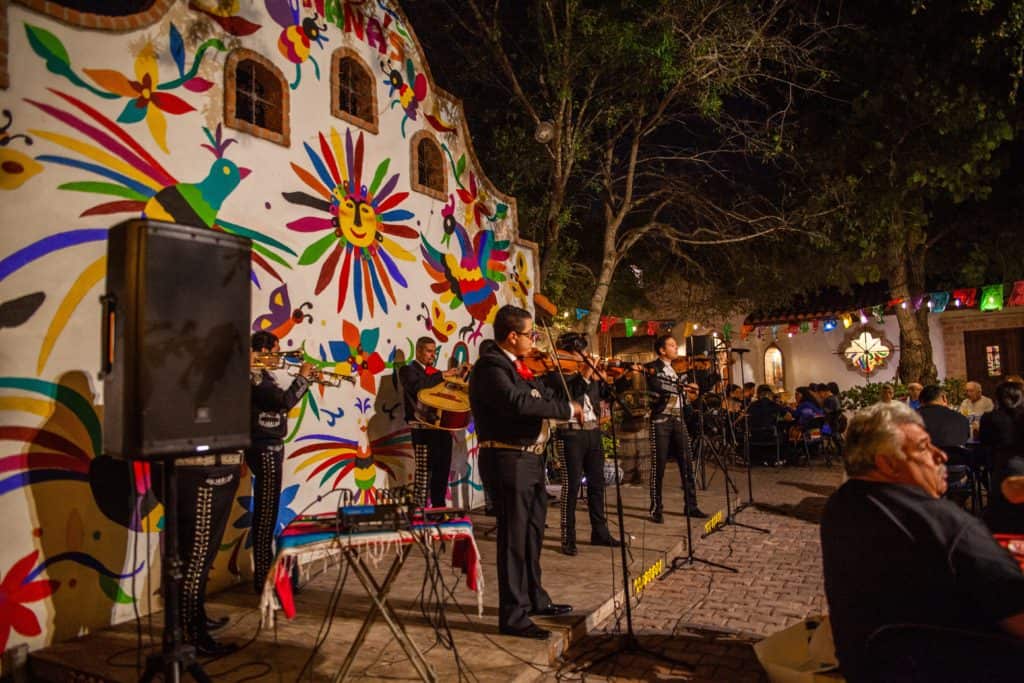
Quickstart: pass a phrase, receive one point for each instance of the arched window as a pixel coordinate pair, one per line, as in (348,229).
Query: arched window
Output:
(774,372)
(256,97)
(428,171)
(353,91)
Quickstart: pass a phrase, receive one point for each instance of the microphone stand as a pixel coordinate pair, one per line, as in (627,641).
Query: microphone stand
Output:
(730,514)
(628,642)
(688,560)
(746,440)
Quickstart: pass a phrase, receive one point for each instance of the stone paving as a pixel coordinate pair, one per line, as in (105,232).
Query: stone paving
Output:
(703,616)
(708,617)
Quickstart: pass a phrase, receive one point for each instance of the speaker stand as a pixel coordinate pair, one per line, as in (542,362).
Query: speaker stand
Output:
(176,656)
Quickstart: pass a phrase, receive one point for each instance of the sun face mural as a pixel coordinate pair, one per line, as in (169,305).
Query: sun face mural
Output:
(360,219)
(100,126)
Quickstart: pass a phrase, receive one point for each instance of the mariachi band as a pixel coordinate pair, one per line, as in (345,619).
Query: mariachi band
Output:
(518,397)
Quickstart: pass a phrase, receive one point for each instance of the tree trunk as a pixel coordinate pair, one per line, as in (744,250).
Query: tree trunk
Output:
(597,300)
(907,261)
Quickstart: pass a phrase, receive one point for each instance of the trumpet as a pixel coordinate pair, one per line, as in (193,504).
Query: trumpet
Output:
(274,360)
(290,362)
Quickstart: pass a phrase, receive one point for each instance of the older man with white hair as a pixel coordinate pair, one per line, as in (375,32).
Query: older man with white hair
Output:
(975,405)
(896,553)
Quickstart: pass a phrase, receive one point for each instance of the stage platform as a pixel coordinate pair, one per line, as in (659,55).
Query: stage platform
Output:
(590,581)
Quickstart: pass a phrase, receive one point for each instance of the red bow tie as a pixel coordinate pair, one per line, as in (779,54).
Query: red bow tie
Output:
(523,371)
(430,370)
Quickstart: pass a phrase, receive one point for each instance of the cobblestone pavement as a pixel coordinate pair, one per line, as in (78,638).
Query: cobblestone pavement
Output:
(709,617)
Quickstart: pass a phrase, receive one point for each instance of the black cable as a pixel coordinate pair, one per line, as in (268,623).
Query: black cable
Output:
(135,560)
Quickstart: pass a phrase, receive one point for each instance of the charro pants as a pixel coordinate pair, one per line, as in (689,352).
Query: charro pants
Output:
(515,482)
(670,441)
(265,460)
(432,449)
(580,452)
(205,495)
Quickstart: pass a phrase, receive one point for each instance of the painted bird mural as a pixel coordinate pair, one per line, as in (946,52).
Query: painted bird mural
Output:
(143,187)
(470,279)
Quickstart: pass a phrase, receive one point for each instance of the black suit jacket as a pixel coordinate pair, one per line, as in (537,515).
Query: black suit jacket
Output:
(947,427)
(414,379)
(660,384)
(507,407)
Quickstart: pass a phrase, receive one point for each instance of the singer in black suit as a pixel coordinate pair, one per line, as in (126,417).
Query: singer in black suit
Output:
(669,438)
(432,448)
(509,408)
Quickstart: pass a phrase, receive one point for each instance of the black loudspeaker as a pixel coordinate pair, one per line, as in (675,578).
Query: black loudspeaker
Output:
(699,346)
(175,363)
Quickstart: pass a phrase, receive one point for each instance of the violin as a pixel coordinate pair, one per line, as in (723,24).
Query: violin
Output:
(540,362)
(612,368)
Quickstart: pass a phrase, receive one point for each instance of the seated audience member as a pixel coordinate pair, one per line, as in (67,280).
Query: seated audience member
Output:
(975,404)
(763,417)
(895,553)
(946,427)
(807,407)
(914,394)
(886,394)
(1002,434)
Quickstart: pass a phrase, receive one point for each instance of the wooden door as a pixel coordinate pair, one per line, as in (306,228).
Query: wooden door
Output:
(992,355)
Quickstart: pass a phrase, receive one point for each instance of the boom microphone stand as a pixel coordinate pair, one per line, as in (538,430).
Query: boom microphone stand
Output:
(690,559)
(628,642)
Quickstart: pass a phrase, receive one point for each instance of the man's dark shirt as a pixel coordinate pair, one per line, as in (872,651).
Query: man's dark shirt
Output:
(894,555)
(946,427)
(763,416)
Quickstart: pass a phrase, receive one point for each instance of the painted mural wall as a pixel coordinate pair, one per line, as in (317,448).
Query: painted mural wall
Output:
(353,259)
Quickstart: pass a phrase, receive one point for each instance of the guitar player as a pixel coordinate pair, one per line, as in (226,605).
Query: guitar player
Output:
(432,448)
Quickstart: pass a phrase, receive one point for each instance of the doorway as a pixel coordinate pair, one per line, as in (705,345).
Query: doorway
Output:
(991,355)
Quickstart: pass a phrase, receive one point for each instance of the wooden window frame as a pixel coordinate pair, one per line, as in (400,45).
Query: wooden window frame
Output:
(414,162)
(283,137)
(336,111)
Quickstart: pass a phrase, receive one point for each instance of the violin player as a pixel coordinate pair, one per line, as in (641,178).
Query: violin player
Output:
(669,437)
(432,448)
(510,407)
(580,451)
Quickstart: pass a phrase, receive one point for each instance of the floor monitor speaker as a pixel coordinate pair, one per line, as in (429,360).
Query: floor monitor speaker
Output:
(175,363)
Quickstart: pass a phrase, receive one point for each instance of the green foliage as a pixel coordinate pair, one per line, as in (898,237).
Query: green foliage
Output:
(864,395)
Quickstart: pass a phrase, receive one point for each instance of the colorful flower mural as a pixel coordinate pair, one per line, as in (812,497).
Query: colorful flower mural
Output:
(15,167)
(361,220)
(148,98)
(16,590)
(355,354)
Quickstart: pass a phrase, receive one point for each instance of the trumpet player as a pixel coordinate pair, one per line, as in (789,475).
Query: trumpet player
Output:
(265,457)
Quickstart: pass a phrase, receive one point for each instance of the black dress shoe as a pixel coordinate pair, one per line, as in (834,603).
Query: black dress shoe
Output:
(609,542)
(206,646)
(696,513)
(215,624)
(531,631)
(569,549)
(552,610)
(657,518)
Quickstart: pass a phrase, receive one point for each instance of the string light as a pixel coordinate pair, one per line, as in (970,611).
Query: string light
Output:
(903,304)
(956,302)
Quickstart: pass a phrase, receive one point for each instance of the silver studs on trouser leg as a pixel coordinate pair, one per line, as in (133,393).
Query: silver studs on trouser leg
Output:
(655,494)
(568,530)
(196,566)
(421,478)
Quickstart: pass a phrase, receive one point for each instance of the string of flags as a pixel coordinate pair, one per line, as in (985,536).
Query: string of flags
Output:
(987,298)
(651,328)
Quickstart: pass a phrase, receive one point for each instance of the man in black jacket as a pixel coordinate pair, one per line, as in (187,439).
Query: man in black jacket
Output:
(580,451)
(265,456)
(669,438)
(509,408)
(947,428)
(432,448)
